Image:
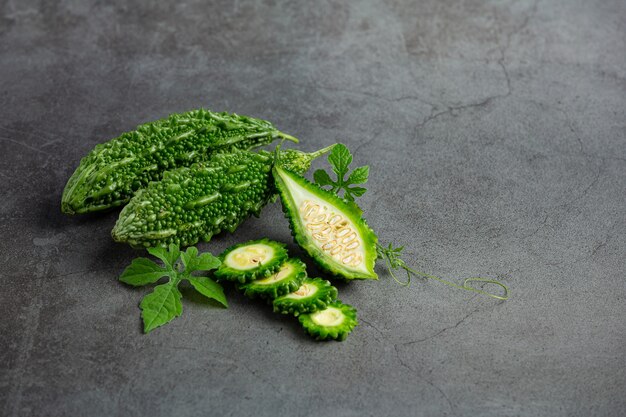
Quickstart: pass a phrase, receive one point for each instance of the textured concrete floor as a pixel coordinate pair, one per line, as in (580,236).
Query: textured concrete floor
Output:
(496,136)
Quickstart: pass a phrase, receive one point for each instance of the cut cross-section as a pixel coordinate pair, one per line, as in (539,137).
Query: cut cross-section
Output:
(288,278)
(313,294)
(329,229)
(252,260)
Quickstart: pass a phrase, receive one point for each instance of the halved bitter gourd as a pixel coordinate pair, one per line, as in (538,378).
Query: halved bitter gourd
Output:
(336,321)
(251,260)
(287,279)
(313,294)
(330,230)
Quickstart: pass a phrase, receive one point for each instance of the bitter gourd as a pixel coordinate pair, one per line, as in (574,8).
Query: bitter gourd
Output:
(113,171)
(197,202)
(336,321)
(251,260)
(313,294)
(330,230)
(288,278)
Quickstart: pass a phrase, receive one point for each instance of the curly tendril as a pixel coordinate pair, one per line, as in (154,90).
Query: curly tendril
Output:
(392,259)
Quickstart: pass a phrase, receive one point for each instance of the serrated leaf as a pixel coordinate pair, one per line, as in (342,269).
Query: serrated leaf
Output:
(142,271)
(161,306)
(357,191)
(206,262)
(193,262)
(209,289)
(340,158)
(188,257)
(359,175)
(322,178)
(169,257)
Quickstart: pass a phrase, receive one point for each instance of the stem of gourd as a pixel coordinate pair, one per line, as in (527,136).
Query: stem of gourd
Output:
(322,151)
(288,137)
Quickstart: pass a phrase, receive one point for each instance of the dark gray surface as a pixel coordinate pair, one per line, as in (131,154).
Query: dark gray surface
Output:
(496,136)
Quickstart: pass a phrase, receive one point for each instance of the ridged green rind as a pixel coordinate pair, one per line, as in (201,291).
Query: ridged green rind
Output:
(338,332)
(194,203)
(302,236)
(285,285)
(265,269)
(113,171)
(319,300)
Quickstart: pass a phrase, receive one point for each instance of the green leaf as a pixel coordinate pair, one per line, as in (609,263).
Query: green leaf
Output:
(193,262)
(189,256)
(322,178)
(340,158)
(209,289)
(142,271)
(359,175)
(357,191)
(161,306)
(206,262)
(169,258)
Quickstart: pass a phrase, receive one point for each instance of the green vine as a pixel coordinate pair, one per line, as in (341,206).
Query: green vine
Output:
(392,259)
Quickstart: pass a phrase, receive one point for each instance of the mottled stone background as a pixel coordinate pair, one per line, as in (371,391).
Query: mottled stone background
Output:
(496,136)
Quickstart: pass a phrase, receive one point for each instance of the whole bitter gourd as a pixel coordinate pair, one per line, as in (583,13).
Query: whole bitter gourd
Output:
(194,203)
(328,228)
(113,171)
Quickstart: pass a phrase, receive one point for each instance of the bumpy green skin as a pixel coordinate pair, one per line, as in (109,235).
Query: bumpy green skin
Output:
(265,269)
(287,284)
(113,171)
(194,203)
(338,332)
(319,300)
(303,236)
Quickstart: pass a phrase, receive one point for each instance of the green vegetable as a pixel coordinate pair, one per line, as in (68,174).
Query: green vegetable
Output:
(340,159)
(194,203)
(313,294)
(113,171)
(336,321)
(287,279)
(328,228)
(164,303)
(251,260)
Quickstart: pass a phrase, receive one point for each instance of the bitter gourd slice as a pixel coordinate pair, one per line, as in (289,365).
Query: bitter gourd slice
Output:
(330,230)
(251,260)
(285,280)
(194,203)
(313,294)
(113,171)
(336,321)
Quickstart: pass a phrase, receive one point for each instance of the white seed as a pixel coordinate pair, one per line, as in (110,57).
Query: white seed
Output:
(349,238)
(334,218)
(329,245)
(320,237)
(343,232)
(353,245)
(336,250)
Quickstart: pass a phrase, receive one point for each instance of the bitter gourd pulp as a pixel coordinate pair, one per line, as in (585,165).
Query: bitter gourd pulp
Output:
(286,279)
(336,321)
(313,294)
(249,261)
(330,230)
(113,171)
(194,203)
